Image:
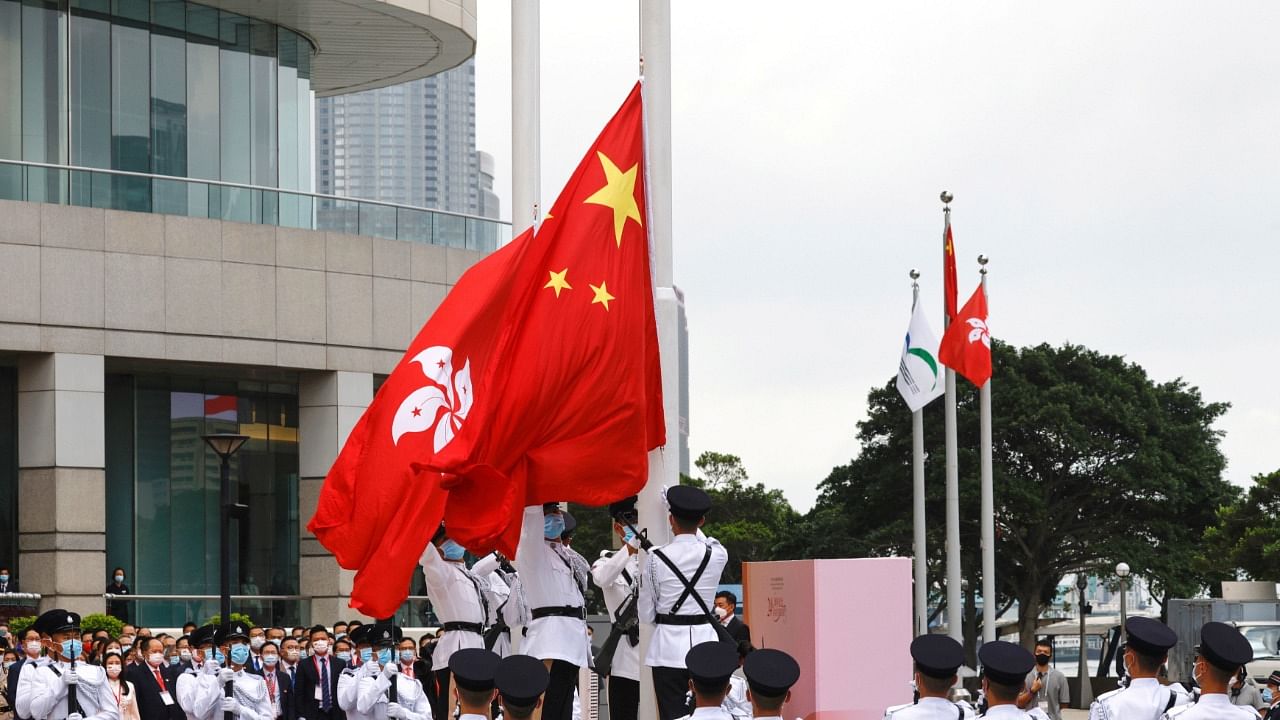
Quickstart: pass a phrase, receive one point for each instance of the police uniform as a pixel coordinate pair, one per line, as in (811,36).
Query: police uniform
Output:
(520,680)
(473,669)
(500,575)
(770,674)
(616,574)
(460,600)
(1144,698)
(348,693)
(1007,664)
(1225,648)
(936,656)
(374,701)
(249,699)
(187,685)
(1273,711)
(44,691)
(711,664)
(664,601)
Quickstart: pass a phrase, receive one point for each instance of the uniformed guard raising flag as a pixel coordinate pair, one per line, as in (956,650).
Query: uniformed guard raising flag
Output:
(64,689)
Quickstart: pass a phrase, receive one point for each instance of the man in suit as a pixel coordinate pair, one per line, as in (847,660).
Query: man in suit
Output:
(727,608)
(7,583)
(279,688)
(28,649)
(154,680)
(316,693)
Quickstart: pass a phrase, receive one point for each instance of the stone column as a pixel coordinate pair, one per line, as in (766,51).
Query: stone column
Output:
(329,405)
(62,533)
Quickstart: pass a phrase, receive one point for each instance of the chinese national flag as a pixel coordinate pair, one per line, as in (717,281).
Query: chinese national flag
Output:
(950,288)
(966,346)
(536,380)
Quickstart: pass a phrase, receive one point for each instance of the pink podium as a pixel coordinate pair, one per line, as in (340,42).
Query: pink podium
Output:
(848,624)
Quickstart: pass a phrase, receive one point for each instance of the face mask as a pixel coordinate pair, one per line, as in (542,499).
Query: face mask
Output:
(303,653)
(113,671)
(155,658)
(1266,695)
(344,656)
(384,656)
(628,536)
(72,648)
(218,657)
(33,647)
(119,578)
(721,612)
(320,646)
(4,633)
(185,655)
(257,642)
(406,656)
(8,664)
(174,660)
(125,649)
(270,660)
(4,578)
(452,550)
(239,654)
(292,655)
(366,654)
(1042,659)
(552,526)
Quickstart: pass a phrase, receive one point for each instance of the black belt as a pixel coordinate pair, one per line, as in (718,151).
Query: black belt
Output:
(671,619)
(476,628)
(562,611)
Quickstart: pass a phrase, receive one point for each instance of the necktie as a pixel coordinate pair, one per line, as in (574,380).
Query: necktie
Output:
(324,680)
(159,680)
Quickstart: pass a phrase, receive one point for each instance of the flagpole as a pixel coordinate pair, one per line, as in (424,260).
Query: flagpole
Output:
(917,478)
(526,154)
(989,600)
(954,611)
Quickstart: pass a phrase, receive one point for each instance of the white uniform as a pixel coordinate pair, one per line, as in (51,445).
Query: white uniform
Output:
(549,580)
(1144,699)
(617,576)
(456,596)
(187,687)
(660,589)
(1005,712)
(499,595)
(42,692)
(708,713)
(349,689)
(409,695)
(249,692)
(930,708)
(735,701)
(1212,706)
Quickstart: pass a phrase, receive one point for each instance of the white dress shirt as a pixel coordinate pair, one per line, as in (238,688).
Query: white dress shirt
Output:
(455,598)
(660,588)
(42,693)
(409,695)
(708,713)
(611,575)
(349,689)
(1005,712)
(548,581)
(930,708)
(186,688)
(249,691)
(1212,706)
(1144,699)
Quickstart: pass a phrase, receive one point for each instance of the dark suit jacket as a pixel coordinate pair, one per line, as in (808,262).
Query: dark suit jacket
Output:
(150,704)
(11,586)
(288,710)
(305,701)
(737,629)
(11,692)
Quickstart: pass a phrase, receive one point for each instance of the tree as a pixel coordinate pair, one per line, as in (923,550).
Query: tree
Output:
(750,520)
(1247,534)
(1093,463)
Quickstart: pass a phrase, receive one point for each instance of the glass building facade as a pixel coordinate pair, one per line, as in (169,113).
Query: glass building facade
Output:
(164,87)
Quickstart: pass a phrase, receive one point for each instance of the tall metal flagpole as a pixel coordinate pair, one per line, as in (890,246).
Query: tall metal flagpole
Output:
(989,600)
(955,615)
(526,155)
(917,484)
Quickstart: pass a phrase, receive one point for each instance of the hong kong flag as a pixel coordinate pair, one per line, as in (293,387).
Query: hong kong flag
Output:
(536,380)
(966,346)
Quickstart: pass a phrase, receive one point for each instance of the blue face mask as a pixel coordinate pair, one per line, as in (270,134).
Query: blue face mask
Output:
(218,657)
(552,526)
(71,649)
(239,654)
(173,659)
(4,578)
(406,656)
(628,535)
(344,656)
(366,654)
(1266,695)
(452,550)
(384,656)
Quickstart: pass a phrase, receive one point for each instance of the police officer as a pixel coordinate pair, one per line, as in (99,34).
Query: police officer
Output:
(351,675)
(64,688)
(389,693)
(710,665)
(1220,655)
(203,670)
(1144,654)
(677,588)
(461,602)
(936,659)
(248,699)
(616,574)
(770,675)
(1004,671)
(474,670)
(520,681)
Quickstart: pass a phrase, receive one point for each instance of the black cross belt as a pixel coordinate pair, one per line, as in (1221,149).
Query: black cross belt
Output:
(673,619)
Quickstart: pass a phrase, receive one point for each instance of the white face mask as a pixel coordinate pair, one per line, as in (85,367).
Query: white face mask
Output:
(113,671)
(185,655)
(320,646)
(257,642)
(721,612)
(291,655)
(33,647)
(155,658)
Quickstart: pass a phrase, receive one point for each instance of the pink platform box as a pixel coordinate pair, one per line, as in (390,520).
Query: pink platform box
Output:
(847,622)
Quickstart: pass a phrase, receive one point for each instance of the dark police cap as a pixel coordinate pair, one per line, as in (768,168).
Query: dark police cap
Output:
(383,634)
(521,679)
(711,663)
(235,630)
(1149,636)
(1274,678)
(203,635)
(688,502)
(1005,663)
(474,668)
(770,673)
(570,524)
(361,635)
(938,656)
(1224,646)
(56,620)
(625,507)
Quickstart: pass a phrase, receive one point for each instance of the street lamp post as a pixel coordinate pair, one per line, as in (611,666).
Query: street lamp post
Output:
(225,445)
(1086,690)
(1122,571)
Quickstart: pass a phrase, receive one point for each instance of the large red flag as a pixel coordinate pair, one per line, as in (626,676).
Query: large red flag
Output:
(949,285)
(536,380)
(966,346)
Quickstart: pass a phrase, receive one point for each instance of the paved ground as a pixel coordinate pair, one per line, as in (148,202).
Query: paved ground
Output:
(1075,714)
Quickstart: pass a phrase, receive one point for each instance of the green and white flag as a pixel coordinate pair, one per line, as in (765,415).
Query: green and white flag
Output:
(920,376)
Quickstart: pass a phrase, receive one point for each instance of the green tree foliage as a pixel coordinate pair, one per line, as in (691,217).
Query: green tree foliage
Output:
(750,520)
(1247,534)
(1093,463)
(93,622)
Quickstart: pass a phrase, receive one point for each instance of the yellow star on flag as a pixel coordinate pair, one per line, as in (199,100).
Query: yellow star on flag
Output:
(619,194)
(602,295)
(557,281)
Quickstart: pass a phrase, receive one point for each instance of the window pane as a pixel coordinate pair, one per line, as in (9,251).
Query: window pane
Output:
(169,120)
(203,113)
(130,107)
(11,91)
(90,106)
(44,106)
(263,107)
(235,109)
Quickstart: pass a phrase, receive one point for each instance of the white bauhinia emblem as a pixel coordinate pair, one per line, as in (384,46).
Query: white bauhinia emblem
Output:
(442,404)
(979,331)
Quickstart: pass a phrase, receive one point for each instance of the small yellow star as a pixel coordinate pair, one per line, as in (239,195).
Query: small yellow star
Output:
(602,295)
(619,193)
(557,281)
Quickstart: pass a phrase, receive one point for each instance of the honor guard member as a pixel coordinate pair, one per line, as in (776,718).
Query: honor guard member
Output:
(349,679)
(1004,671)
(770,675)
(520,681)
(390,694)
(473,671)
(936,658)
(677,588)
(616,574)
(64,689)
(460,601)
(554,583)
(1220,655)
(1144,654)
(247,699)
(502,611)
(203,670)
(710,665)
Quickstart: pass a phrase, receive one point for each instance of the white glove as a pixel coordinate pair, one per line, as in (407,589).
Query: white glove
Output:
(369,669)
(229,704)
(75,716)
(226,675)
(394,710)
(390,671)
(71,677)
(210,667)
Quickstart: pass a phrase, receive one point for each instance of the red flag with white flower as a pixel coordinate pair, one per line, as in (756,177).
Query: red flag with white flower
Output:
(536,380)
(966,346)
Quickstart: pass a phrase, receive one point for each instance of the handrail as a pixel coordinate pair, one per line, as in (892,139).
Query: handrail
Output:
(20,596)
(247,186)
(115,596)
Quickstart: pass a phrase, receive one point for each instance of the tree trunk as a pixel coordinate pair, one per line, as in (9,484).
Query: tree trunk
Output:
(1028,618)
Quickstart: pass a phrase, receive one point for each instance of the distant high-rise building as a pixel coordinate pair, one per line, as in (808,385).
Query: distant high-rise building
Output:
(413,143)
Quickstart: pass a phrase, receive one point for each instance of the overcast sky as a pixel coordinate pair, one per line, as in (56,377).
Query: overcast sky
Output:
(1119,162)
